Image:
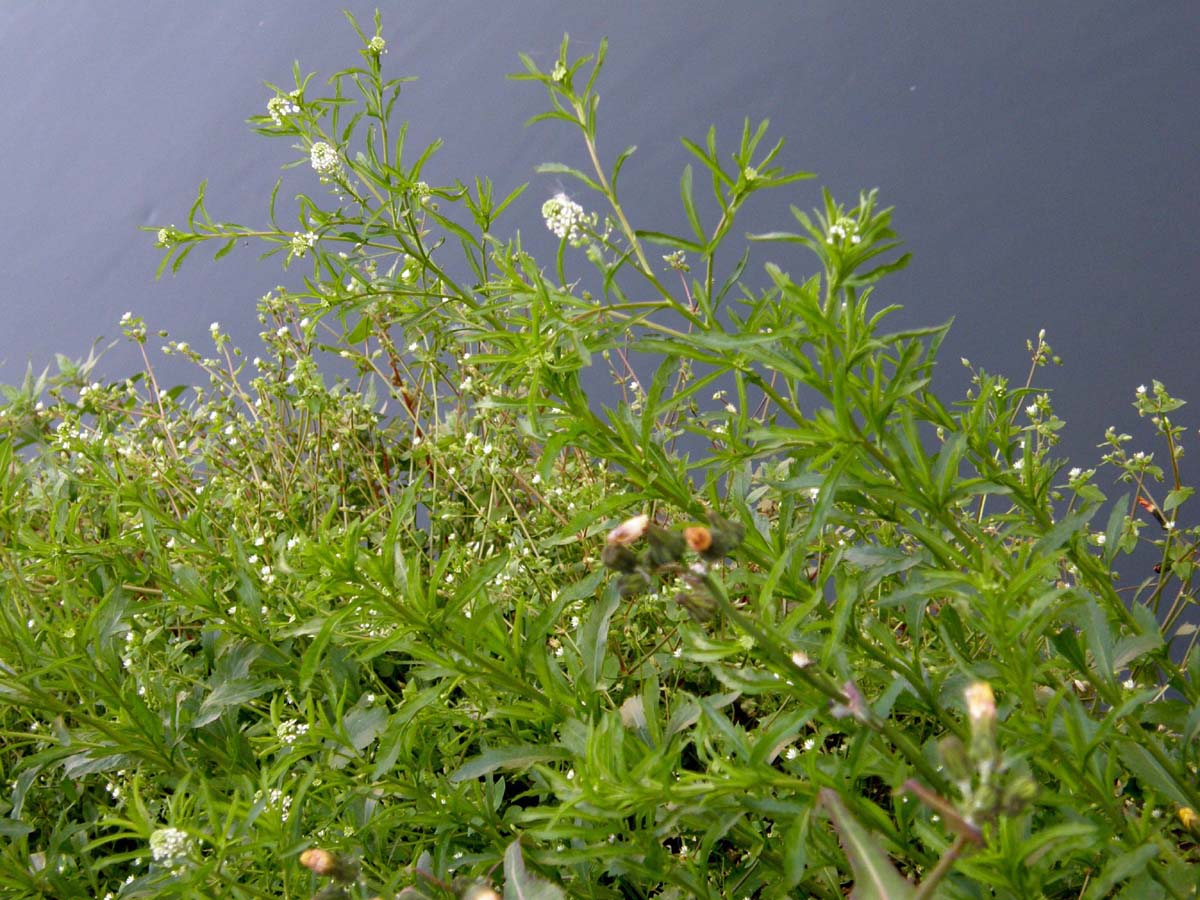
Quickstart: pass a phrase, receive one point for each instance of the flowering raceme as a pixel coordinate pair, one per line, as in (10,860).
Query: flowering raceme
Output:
(567,219)
(325,159)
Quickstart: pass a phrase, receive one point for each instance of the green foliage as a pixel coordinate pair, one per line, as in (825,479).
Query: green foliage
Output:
(401,608)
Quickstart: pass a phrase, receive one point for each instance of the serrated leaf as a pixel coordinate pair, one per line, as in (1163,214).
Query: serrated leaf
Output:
(520,885)
(1151,773)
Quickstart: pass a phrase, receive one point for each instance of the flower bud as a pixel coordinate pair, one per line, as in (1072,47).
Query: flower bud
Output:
(981,711)
(725,537)
(855,706)
(631,584)
(666,546)
(329,865)
(629,530)
(480,892)
(954,758)
(619,558)
(698,603)
(1189,819)
(1017,794)
(698,538)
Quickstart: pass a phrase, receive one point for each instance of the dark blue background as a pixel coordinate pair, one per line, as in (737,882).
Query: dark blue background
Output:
(1042,157)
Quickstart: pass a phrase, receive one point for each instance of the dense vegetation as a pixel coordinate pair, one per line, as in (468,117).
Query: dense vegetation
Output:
(420,600)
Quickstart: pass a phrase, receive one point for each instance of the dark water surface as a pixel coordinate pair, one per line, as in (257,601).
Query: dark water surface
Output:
(1043,158)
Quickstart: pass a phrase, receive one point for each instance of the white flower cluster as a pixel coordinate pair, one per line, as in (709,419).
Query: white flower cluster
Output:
(377,45)
(842,228)
(567,219)
(325,159)
(278,107)
(290,731)
(170,847)
(302,243)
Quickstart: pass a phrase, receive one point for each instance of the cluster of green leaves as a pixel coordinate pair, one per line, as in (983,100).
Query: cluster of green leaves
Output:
(366,613)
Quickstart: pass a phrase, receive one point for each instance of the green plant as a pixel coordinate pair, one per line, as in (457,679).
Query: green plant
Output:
(777,621)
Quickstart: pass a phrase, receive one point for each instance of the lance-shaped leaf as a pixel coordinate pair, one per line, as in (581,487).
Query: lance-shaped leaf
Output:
(875,878)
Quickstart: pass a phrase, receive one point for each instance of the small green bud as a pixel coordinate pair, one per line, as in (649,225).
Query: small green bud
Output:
(619,558)
(1017,794)
(631,584)
(666,546)
(698,603)
(726,536)
(954,758)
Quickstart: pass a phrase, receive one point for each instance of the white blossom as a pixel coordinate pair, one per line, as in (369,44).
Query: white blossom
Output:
(170,847)
(325,159)
(278,107)
(567,219)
